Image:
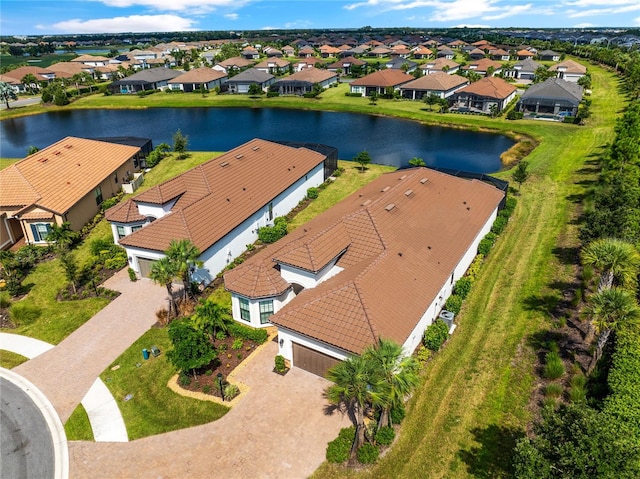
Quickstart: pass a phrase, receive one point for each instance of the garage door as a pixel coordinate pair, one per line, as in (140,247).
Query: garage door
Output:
(145,266)
(313,361)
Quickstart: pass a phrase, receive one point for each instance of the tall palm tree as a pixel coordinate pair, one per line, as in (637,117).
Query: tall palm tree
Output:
(355,388)
(211,317)
(30,82)
(617,261)
(609,309)
(61,235)
(163,271)
(184,254)
(7,93)
(399,375)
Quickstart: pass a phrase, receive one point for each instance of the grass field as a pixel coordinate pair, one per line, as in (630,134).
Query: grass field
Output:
(9,360)
(42,61)
(472,404)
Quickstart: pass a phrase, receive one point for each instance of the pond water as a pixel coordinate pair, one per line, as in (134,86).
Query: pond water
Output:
(389,141)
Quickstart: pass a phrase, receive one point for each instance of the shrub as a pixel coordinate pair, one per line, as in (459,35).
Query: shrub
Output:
(24,313)
(109,202)
(312,193)
(462,287)
(474,269)
(117,262)
(423,355)
(385,435)
(553,390)
(279,363)
(237,344)
(397,414)
(184,379)
(499,224)
(368,454)
(271,94)
(97,246)
(484,247)
(338,450)
(353,94)
(5,300)
(271,234)
(453,304)
(510,205)
(435,335)
(221,335)
(554,367)
(231,391)
(132,274)
(251,247)
(238,330)
(206,388)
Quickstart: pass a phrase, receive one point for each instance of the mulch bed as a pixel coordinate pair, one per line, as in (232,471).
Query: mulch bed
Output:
(88,290)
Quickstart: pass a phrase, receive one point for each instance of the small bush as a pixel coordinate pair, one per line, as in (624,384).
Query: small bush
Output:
(510,204)
(97,246)
(237,344)
(484,247)
(209,372)
(206,388)
(499,225)
(117,262)
(312,193)
(435,335)
(279,363)
(231,391)
(453,304)
(423,355)
(385,435)
(184,379)
(109,202)
(553,390)
(132,274)
(397,414)
(462,287)
(353,94)
(271,234)
(221,335)
(24,313)
(251,247)
(368,454)
(554,367)
(338,449)
(476,266)
(5,300)
(238,330)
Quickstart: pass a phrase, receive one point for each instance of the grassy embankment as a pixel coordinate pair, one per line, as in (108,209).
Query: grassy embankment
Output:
(473,401)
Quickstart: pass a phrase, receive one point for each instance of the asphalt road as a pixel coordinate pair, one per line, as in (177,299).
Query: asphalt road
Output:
(26,446)
(19,103)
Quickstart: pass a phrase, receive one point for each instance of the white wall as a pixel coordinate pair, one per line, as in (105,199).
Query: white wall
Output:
(134,253)
(288,337)
(307,278)
(157,211)
(254,308)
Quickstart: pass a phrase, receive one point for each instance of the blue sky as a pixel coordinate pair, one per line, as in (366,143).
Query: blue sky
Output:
(33,17)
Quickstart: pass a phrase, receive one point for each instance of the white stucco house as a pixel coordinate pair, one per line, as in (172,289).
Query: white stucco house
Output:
(218,205)
(379,264)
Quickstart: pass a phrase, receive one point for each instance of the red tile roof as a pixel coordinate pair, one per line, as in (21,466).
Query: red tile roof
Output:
(439,81)
(383,78)
(312,75)
(215,197)
(490,87)
(199,75)
(404,235)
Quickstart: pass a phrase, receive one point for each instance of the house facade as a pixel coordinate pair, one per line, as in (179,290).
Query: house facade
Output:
(219,205)
(241,82)
(322,285)
(379,81)
(569,70)
(203,78)
(65,182)
(480,96)
(304,81)
(150,79)
(552,97)
(440,84)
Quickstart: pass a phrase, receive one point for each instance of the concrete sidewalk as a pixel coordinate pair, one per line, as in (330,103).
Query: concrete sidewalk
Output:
(66,373)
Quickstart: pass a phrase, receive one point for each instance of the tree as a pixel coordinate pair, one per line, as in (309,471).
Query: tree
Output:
(354,389)
(7,93)
(541,74)
(191,348)
(363,159)
(373,98)
(184,255)
(180,143)
(493,110)
(521,174)
(254,89)
(30,82)
(32,149)
(615,260)
(211,317)
(163,271)
(398,375)
(70,267)
(431,99)
(415,161)
(63,236)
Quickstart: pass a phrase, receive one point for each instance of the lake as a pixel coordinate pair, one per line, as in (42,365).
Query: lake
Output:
(389,141)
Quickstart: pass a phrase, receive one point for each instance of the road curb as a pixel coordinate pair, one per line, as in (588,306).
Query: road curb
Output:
(58,436)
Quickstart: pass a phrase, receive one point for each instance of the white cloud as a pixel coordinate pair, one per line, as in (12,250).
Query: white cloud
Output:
(584,25)
(469,25)
(604,11)
(132,23)
(509,12)
(593,3)
(298,24)
(192,6)
(231,16)
(636,21)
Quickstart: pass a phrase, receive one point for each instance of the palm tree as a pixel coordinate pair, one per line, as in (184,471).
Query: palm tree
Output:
(609,309)
(617,261)
(184,254)
(61,235)
(211,317)
(355,388)
(30,82)
(7,93)
(399,375)
(164,272)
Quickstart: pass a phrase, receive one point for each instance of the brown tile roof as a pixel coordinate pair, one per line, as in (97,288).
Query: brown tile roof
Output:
(569,66)
(312,75)
(62,173)
(483,65)
(90,58)
(525,53)
(216,196)
(351,60)
(199,75)
(490,87)
(67,69)
(278,62)
(422,51)
(383,78)
(436,81)
(125,212)
(439,64)
(405,233)
(235,62)
(10,80)
(38,72)
(37,214)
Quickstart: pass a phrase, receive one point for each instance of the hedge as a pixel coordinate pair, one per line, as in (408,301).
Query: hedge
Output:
(238,330)
(435,335)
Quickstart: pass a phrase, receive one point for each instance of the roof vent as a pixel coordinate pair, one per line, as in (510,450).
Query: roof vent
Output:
(255,148)
(68,147)
(238,157)
(408,193)
(386,188)
(390,206)
(402,177)
(366,203)
(423,180)
(43,160)
(224,163)
(57,153)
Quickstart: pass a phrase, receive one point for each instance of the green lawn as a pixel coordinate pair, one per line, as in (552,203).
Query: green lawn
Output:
(42,61)
(9,360)
(78,427)
(472,404)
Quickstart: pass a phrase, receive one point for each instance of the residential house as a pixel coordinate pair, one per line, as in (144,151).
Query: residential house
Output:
(524,54)
(549,55)
(440,65)
(218,205)
(241,82)
(327,51)
(272,52)
(65,182)
(205,79)
(481,96)
(569,70)
(149,79)
(232,65)
(91,60)
(275,66)
(304,81)
(524,70)
(440,84)
(446,53)
(346,64)
(379,52)
(41,75)
(500,55)
(483,67)
(379,81)
(421,53)
(552,97)
(250,53)
(288,50)
(400,51)
(379,264)
(403,64)
(14,83)
(310,62)
(476,54)
(68,69)
(306,52)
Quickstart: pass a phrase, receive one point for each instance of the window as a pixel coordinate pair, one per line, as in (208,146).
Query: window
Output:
(266,310)
(115,177)
(121,232)
(270,211)
(98,194)
(135,228)
(244,309)
(40,231)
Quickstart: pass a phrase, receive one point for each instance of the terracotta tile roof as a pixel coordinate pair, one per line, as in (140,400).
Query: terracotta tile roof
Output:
(235,62)
(436,81)
(125,212)
(37,214)
(62,173)
(350,60)
(10,80)
(216,196)
(525,53)
(90,59)
(422,51)
(199,75)
(381,51)
(383,78)
(406,232)
(569,66)
(483,65)
(271,62)
(439,64)
(312,75)
(257,280)
(20,72)
(489,87)
(68,68)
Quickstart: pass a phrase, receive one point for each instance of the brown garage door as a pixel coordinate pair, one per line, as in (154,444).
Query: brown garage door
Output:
(145,266)
(313,361)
